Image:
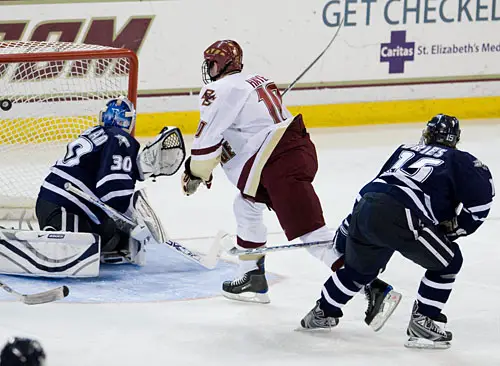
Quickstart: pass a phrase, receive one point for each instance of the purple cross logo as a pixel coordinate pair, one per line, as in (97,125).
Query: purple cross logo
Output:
(397,52)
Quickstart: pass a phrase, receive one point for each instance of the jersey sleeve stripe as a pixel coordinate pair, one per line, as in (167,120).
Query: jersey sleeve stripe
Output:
(111,195)
(474,217)
(480,208)
(206,150)
(110,177)
(73,180)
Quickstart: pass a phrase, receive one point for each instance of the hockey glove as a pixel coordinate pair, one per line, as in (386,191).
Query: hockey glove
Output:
(451,229)
(190,183)
(164,155)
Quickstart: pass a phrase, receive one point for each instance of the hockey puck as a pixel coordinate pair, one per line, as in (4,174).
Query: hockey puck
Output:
(65,291)
(5,105)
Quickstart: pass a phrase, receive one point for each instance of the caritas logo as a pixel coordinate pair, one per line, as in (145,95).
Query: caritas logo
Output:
(397,52)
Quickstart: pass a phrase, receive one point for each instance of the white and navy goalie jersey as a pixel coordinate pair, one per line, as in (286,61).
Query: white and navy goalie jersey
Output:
(434,181)
(102,162)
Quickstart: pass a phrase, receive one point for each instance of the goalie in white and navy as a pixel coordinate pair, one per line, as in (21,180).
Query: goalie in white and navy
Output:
(104,162)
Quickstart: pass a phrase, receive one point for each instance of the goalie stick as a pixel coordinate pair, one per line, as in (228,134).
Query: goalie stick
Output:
(126,224)
(55,294)
(315,60)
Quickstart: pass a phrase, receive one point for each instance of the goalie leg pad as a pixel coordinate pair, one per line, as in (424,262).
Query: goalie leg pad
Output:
(143,212)
(49,253)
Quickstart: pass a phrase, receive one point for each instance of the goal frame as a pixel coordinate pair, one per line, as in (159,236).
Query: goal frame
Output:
(23,213)
(82,55)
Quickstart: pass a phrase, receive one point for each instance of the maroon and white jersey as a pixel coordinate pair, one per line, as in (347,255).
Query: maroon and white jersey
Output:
(242,119)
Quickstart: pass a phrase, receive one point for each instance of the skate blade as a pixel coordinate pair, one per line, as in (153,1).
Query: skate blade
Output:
(313,330)
(390,304)
(248,297)
(422,343)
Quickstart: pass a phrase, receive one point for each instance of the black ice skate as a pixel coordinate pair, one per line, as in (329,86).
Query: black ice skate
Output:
(425,333)
(382,301)
(317,320)
(251,286)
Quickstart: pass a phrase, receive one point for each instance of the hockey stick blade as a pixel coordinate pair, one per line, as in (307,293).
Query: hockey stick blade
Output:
(212,257)
(315,60)
(208,261)
(55,294)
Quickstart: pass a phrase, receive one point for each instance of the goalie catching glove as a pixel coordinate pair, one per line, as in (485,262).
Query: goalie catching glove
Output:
(190,182)
(164,155)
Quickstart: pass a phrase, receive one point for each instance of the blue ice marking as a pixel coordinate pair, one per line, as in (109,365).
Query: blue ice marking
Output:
(166,276)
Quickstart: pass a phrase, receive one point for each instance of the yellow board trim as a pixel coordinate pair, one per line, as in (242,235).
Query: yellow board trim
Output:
(347,114)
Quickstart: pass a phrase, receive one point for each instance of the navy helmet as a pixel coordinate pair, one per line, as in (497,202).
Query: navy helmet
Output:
(118,112)
(442,130)
(22,352)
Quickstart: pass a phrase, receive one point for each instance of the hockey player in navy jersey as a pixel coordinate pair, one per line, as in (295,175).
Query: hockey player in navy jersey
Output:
(425,197)
(104,161)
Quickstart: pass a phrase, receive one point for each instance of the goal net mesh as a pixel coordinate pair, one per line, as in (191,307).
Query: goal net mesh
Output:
(49,93)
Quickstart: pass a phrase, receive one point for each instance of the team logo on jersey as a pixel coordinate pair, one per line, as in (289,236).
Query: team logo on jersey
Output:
(208,97)
(122,140)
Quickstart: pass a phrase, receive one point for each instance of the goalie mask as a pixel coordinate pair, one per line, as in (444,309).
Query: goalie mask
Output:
(443,130)
(120,113)
(221,58)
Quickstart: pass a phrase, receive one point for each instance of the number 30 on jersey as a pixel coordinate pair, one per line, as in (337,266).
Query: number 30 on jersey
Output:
(121,163)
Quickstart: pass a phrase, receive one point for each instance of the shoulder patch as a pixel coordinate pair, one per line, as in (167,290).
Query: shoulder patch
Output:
(208,97)
(479,164)
(122,140)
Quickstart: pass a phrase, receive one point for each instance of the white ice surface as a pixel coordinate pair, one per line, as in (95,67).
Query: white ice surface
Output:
(216,331)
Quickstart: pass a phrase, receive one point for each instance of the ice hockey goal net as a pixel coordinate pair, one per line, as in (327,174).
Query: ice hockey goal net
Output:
(49,93)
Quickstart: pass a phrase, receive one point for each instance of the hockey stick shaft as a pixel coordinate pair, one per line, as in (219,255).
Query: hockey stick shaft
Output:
(224,241)
(315,60)
(128,224)
(55,294)
(278,248)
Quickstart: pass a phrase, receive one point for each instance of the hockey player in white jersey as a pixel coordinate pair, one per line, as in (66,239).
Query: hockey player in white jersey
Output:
(267,154)
(104,162)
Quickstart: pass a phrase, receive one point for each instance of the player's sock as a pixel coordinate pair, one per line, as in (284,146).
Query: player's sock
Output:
(338,290)
(251,286)
(433,292)
(435,287)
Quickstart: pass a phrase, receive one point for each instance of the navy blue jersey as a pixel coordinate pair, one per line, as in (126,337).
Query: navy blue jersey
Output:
(434,182)
(102,162)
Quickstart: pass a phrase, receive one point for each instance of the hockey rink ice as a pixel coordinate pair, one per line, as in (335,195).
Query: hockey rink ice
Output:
(170,312)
